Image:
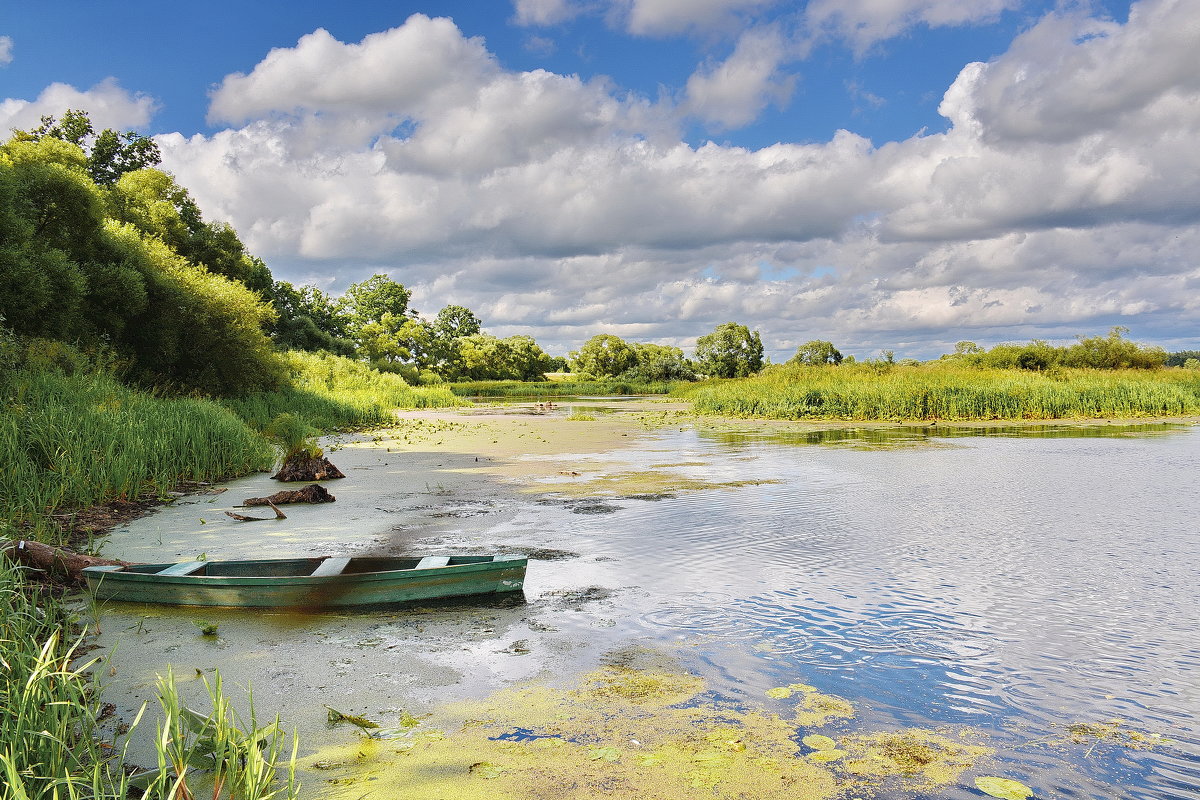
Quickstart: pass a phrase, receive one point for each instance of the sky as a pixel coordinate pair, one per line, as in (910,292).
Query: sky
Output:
(883,174)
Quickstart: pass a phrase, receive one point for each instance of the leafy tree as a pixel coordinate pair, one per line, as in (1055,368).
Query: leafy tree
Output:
(520,358)
(109,154)
(1113,351)
(309,319)
(370,300)
(817,353)
(965,348)
(604,356)
(1181,358)
(657,362)
(454,322)
(730,351)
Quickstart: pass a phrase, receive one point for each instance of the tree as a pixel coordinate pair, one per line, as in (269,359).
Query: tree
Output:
(309,319)
(604,356)
(730,351)
(658,362)
(369,300)
(454,322)
(517,358)
(816,353)
(109,154)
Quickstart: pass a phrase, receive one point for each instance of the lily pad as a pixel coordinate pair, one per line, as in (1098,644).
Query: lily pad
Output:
(818,742)
(1004,788)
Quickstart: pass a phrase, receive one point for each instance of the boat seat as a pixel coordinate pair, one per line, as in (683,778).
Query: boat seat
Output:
(433,561)
(183,568)
(330,566)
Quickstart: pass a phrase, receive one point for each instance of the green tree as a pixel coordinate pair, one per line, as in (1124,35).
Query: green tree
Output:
(309,319)
(454,322)
(657,362)
(604,356)
(817,353)
(110,154)
(367,301)
(730,351)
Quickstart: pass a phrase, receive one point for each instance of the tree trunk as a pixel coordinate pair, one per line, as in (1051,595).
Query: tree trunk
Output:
(304,467)
(61,565)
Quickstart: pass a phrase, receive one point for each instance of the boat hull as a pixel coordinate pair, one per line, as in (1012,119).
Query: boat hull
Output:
(279,582)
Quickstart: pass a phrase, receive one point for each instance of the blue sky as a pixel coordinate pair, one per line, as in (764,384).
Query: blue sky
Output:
(887,174)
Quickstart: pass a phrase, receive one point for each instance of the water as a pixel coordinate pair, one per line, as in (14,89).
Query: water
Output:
(1019,581)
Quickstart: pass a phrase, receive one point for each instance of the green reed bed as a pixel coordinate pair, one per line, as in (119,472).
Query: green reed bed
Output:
(938,392)
(558,388)
(335,393)
(71,441)
(49,704)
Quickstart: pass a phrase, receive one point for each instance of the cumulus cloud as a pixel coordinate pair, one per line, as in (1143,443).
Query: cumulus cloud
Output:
(666,17)
(109,105)
(559,207)
(733,92)
(6,50)
(865,22)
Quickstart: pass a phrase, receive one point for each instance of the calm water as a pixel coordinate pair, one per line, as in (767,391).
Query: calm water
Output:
(1014,582)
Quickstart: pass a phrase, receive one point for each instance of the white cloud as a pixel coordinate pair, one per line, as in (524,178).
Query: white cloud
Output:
(109,105)
(733,92)
(865,22)
(543,12)
(556,206)
(667,17)
(6,50)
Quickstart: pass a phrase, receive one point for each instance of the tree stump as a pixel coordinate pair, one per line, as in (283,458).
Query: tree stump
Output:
(303,467)
(313,493)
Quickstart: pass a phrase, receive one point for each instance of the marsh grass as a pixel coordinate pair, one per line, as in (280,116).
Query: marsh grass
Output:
(330,393)
(950,393)
(558,388)
(49,740)
(72,441)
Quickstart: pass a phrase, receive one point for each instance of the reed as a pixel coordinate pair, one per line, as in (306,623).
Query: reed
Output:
(330,392)
(72,441)
(50,744)
(879,392)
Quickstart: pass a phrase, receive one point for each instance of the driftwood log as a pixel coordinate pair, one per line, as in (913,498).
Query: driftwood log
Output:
(303,467)
(241,518)
(64,566)
(313,493)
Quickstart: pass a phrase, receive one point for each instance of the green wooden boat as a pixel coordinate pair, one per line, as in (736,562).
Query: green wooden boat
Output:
(330,582)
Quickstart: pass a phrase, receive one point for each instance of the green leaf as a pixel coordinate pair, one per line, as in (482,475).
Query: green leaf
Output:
(1004,788)
(818,742)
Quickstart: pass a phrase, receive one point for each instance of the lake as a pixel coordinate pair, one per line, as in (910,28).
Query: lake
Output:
(1034,585)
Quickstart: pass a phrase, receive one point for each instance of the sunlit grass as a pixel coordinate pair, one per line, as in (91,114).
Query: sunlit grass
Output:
(557,388)
(951,393)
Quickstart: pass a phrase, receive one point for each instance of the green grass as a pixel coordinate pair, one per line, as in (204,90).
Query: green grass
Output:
(950,393)
(557,388)
(334,393)
(72,441)
(49,704)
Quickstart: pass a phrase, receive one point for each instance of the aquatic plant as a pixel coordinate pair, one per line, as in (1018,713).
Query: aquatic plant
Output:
(940,391)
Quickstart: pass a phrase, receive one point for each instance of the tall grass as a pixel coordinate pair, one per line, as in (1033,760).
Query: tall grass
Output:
(558,388)
(334,393)
(951,393)
(70,441)
(49,742)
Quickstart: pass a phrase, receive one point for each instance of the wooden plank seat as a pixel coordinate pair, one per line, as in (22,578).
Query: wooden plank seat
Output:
(433,561)
(183,568)
(330,566)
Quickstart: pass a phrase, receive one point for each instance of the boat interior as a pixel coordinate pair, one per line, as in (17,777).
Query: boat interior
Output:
(301,567)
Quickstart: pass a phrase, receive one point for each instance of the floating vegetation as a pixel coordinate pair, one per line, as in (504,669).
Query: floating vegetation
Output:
(1004,788)
(1114,731)
(637,727)
(336,716)
(818,709)
(641,483)
(206,628)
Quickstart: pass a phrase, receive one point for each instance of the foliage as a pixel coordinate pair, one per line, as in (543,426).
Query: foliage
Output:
(730,351)
(71,272)
(941,391)
(485,357)
(816,353)
(1181,358)
(1113,351)
(604,356)
(614,387)
(375,297)
(329,392)
(110,154)
(309,319)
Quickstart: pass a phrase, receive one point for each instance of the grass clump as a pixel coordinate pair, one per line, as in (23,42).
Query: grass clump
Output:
(949,392)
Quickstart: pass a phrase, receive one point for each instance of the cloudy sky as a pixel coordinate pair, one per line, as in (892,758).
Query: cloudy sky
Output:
(897,174)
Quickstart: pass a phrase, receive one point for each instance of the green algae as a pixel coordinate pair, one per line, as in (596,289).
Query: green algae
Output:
(640,483)
(634,730)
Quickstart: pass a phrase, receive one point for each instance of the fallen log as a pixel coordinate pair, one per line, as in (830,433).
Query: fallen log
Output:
(304,467)
(313,493)
(64,566)
(241,518)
